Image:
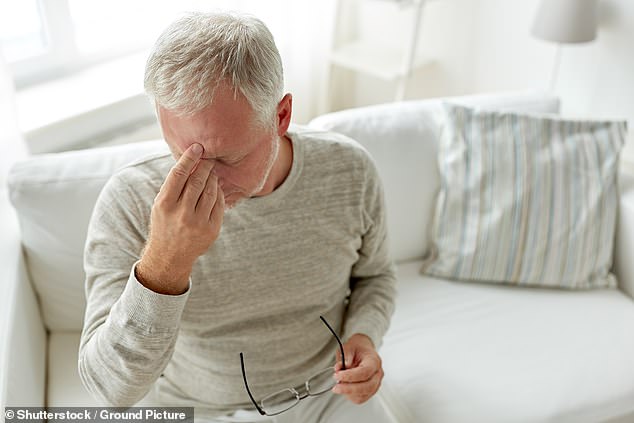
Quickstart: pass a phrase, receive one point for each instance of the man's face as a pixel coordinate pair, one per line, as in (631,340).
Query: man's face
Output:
(243,153)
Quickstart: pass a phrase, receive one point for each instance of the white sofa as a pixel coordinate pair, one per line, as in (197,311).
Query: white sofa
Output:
(455,352)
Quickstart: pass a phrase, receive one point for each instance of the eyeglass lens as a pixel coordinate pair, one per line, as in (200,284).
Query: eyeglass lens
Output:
(321,382)
(278,402)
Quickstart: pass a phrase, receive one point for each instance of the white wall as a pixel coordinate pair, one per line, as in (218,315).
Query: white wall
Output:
(445,38)
(508,57)
(595,80)
(485,45)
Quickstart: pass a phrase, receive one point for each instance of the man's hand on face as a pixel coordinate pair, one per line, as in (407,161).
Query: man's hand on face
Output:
(186,219)
(364,372)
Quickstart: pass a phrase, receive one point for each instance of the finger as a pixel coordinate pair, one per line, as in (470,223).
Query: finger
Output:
(196,183)
(349,353)
(218,211)
(178,175)
(338,360)
(358,390)
(349,361)
(208,196)
(358,374)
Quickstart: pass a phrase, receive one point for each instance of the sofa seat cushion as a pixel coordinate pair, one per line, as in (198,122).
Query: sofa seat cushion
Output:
(461,352)
(64,387)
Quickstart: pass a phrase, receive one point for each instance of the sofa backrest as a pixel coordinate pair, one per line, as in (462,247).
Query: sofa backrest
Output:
(403,139)
(54,194)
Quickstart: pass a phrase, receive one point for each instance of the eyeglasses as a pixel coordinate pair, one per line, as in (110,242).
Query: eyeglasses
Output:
(281,401)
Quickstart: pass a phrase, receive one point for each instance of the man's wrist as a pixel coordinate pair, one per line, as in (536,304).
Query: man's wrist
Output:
(161,276)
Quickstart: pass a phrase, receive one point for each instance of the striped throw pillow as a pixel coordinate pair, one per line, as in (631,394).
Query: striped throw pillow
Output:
(526,199)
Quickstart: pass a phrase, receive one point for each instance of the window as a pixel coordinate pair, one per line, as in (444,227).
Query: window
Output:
(119,25)
(44,39)
(21,30)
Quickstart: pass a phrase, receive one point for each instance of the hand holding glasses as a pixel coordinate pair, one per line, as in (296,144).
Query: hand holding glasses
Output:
(281,401)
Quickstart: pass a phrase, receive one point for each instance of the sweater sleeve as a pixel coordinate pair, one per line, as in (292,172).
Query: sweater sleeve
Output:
(129,330)
(373,277)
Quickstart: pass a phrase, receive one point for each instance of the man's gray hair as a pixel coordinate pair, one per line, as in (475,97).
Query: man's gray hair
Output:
(200,50)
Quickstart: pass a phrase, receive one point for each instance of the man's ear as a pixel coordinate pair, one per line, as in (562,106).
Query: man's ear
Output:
(284,112)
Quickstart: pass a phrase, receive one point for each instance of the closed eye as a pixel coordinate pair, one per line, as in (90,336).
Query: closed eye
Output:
(233,162)
(225,160)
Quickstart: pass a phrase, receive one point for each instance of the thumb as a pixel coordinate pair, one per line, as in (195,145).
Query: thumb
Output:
(349,351)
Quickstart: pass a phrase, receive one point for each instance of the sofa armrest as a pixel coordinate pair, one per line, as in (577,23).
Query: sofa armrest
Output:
(624,237)
(22,333)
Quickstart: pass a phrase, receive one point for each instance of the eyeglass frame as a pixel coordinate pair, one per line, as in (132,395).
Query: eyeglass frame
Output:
(299,398)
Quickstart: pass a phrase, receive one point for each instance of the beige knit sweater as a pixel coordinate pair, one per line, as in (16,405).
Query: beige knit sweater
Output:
(280,262)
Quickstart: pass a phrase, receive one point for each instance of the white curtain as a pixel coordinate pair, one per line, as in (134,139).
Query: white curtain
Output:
(305,40)
(12,146)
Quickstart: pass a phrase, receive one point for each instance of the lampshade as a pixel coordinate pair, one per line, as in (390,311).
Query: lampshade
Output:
(566,21)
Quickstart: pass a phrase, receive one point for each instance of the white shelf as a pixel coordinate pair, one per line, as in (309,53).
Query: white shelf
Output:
(380,61)
(393,63)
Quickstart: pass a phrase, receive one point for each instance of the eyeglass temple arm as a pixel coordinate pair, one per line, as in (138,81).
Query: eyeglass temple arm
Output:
(343,357)
(246,385)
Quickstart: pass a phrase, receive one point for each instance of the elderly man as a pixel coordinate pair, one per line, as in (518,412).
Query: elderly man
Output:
(208,269)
